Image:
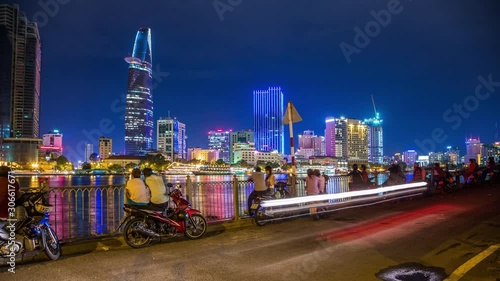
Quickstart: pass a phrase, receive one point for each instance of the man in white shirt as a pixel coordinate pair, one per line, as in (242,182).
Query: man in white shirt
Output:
(259,187)
(137,192)
(157,188)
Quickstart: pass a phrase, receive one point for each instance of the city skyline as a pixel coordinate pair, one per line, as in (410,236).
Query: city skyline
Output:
(304,59)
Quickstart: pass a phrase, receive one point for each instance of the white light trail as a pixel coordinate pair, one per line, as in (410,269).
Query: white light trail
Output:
(314,198)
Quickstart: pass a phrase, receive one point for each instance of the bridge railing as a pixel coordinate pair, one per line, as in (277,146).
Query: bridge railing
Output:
(82,212)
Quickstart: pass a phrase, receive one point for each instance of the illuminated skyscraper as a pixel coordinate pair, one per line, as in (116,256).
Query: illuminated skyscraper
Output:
(20,68)
(473,147)
(330,136)
(375,140)
(357,141)
(410,157)
(220,140)
(139,108)
(268,117)
(340,137)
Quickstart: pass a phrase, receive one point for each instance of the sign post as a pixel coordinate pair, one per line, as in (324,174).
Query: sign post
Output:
(291,116)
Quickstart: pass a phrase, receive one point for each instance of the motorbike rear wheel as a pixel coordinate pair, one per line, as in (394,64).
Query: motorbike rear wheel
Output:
(196,227)
(133,238)
(259,216)
(51,244)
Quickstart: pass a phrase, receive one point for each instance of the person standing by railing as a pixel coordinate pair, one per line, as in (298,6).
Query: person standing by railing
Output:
(259,187)
(157,188)
(357,178)
(136,190)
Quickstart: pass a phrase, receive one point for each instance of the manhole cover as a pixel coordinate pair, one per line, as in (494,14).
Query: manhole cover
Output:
(412,272)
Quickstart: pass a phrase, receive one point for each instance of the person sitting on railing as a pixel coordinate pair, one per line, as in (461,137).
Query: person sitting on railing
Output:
(157,187)
(137,192)
(259,187)
(438,173)
(490,167)
(322,181)
(312,183)
(471,171)
(270,179)
(6,194)
(364,174)
(418,173)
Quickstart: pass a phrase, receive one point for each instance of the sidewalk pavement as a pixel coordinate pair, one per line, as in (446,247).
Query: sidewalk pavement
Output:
(117,242)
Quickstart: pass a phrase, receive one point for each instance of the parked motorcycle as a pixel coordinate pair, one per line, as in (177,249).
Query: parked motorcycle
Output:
(259,213)
(145,223)
(33,233)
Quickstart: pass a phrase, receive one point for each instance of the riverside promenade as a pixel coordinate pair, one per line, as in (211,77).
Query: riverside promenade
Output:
(439,237)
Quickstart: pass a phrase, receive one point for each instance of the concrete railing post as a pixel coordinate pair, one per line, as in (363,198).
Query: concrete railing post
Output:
(292,183)
(188,189)
(236,202)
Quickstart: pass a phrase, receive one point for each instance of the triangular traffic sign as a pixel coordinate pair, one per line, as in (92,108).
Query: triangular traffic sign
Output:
(295,117)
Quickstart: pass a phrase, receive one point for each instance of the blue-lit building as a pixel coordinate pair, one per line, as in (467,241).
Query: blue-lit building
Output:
(268,113)
(220,140)
(375,140)
(139,121)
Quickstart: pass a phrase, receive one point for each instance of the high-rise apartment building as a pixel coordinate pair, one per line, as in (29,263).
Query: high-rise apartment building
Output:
(357,141)
(473,147)
(311,144)
(346,138)
(341,137)
(171,138)
(20,68)
(220,140)
(245,137)
(375,140)
(52,146)
(268,113)
(305,140)
(105,147)
(330,133)
(410,157)
(20,65)
(139,108)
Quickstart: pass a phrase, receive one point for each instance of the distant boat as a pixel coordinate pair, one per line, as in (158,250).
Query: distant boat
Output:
(214,170)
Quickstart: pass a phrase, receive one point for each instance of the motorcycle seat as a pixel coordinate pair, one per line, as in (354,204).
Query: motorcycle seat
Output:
(145,207)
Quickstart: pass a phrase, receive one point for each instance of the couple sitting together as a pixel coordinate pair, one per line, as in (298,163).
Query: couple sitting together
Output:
(150,191)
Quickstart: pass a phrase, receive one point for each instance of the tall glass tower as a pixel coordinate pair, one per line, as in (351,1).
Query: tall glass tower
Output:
(375,140)
(20,70)
(268,120)
(139,122)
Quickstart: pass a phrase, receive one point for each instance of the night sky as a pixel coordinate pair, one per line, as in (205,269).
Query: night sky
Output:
(426,59)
